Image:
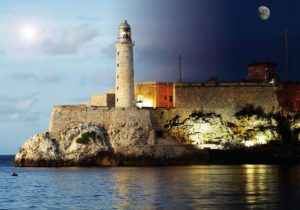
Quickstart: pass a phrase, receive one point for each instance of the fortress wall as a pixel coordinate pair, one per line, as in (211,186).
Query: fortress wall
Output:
(226,99)
(66,117)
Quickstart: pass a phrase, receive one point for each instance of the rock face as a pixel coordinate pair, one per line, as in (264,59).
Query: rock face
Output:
(115,138)
(94,136)
(41,149)
(210,130)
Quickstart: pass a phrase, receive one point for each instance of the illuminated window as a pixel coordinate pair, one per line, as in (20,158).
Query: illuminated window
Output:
(171,99)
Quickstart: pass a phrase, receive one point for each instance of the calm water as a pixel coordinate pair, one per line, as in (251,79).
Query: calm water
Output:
(211,186)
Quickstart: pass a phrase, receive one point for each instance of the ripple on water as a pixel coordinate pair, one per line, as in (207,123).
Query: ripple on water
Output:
(210,186)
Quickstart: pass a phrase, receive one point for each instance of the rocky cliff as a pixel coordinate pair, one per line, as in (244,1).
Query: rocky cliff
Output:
(211,130)
(86,136)
(80,135)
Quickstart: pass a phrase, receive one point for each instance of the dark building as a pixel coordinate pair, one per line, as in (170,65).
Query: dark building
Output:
(262,71)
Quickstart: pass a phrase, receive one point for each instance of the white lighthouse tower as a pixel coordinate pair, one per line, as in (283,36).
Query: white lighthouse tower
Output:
(124,67)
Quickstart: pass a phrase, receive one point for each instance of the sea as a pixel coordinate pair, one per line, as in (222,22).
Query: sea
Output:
(174,187)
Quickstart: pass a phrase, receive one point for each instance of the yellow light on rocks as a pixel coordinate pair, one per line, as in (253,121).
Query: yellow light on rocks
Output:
(261,139)
(249,143)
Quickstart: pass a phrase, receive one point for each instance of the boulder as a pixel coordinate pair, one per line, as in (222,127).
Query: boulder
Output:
(42,150)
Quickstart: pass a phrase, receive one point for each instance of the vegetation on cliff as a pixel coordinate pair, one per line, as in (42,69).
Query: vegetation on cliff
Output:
(86,137)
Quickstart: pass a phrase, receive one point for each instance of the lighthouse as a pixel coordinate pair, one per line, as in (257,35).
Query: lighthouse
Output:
(124,67)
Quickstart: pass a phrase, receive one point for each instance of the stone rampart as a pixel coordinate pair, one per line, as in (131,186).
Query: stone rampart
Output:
(64,118)
(226,98)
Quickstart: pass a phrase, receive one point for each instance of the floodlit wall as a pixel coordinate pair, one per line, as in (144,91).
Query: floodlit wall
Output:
(145,94)
(226,98)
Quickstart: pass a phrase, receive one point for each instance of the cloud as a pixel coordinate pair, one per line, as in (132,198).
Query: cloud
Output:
(69,42)
(23,76)
(13,117)
(7,99)
(13,109)
(24,106)
(46,78)
(104,78)
(51,78)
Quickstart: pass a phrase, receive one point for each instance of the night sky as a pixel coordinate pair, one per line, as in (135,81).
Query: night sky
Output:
(62,52)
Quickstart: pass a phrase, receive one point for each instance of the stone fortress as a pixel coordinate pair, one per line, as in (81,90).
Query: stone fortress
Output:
(162,123)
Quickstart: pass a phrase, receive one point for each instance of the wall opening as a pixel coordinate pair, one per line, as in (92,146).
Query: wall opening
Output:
(159,134)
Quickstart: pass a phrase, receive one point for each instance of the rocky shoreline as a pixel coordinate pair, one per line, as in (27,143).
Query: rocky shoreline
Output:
(187,157)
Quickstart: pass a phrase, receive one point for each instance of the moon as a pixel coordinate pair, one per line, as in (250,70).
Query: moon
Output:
(264,12)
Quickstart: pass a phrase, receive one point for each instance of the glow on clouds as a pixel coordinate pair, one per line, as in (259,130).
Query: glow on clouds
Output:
(24,35)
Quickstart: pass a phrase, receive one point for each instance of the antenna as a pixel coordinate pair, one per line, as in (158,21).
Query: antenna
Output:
(286,33)
(180,68)
(287,52)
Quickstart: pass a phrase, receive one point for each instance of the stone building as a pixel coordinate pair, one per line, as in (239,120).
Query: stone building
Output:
(154,94)
(262,71)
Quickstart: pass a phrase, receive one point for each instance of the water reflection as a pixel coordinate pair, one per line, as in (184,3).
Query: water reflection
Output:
(259,184)
(253,186)
(188,187)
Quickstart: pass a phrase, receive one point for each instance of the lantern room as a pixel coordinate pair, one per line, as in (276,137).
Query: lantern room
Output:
(124,33)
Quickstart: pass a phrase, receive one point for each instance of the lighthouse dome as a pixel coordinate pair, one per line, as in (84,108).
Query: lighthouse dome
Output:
(124,24)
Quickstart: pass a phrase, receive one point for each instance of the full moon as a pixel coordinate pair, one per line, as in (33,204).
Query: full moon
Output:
(28,33)
(264,12)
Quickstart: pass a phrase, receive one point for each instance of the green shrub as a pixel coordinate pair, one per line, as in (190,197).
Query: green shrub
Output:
(85,137)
